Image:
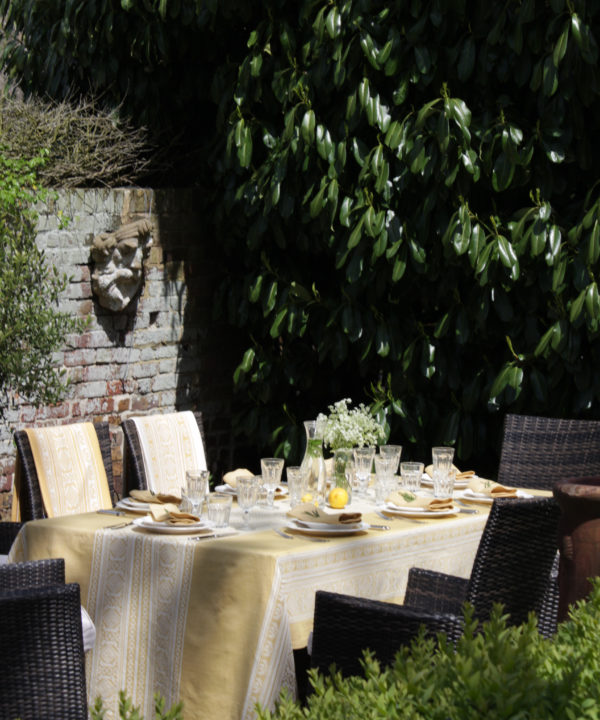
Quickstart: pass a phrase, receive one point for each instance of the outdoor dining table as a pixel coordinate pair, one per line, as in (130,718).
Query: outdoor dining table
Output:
(214,622)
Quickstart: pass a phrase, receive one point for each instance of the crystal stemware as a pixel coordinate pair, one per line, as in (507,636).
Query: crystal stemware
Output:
(247,491)
(271,469)
(363,461)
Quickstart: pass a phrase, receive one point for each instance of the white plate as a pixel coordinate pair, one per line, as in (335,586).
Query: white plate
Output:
(459,484)
(486,499)
(281,490)
(148,523)
(327,528)
(322,525)
(131,504)
(418,512)
(225,489)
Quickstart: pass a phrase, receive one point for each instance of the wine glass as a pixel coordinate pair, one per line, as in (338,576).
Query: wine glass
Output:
(196,488)
(247,491)
(363,461)
(271,468)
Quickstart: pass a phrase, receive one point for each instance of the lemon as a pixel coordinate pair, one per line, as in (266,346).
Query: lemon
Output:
(307,498)
(338,497)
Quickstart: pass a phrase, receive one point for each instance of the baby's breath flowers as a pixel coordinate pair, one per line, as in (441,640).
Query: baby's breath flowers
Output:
(347,427)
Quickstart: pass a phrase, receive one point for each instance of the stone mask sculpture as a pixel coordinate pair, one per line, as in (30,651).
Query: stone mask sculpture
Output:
(118,258)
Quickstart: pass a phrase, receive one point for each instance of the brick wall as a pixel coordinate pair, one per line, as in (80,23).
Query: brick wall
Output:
(162,353)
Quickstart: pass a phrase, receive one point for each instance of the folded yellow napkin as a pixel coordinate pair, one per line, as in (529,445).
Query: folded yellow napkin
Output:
(147,496)
(460,475)
(308,512)
(171,514)
(230,477)
(424,502)
(481,486)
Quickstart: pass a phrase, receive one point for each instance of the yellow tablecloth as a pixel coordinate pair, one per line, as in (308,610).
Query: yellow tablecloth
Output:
(213,622)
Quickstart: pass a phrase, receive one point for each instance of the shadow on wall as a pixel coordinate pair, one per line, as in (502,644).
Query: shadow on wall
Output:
(207,353)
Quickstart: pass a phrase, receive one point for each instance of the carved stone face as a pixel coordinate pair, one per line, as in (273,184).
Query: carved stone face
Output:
(118,269)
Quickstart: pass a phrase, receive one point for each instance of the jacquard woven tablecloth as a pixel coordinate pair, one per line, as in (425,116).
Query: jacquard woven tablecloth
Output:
(213,623)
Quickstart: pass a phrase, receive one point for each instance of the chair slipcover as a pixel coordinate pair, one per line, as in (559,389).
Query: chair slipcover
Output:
(160,448)
(62,470)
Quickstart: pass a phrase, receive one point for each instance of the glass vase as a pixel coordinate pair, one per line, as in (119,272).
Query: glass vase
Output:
(343,469)
(313,463)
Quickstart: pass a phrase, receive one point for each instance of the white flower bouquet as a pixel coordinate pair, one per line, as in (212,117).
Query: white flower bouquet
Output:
(347,427)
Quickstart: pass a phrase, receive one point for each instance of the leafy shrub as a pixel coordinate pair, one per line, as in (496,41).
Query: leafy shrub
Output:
(405,194)
(504,672)
(416,192)
(31,326)
(127,710)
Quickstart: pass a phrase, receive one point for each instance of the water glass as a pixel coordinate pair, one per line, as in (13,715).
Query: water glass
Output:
(442,458)
(394,451)
(411,476)
(219,508)
(363,461)
(271,469)
(296,484)
(384,478)
(247,492)
(443,482)
(196,489)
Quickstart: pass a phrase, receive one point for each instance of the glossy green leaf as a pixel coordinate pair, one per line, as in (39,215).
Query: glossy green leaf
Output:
(561,45)
(307,127)
(577,306)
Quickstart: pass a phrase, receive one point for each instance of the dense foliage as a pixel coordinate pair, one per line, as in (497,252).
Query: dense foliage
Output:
(416,188)
(31,326)
(503,672)
(405,195)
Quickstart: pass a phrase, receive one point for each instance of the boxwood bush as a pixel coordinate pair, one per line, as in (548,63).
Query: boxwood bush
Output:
(501,672)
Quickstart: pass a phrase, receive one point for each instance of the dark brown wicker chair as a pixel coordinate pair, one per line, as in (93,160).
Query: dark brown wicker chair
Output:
(41,654)
(135,471)
(511,567)
(34,573)
(8,532)
(30,497)
(538,452)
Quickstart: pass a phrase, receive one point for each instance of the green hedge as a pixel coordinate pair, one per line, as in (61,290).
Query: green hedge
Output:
(504,672)
(405,195)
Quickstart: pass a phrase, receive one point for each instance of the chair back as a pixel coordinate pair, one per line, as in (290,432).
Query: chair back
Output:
(537,452)
(62,469)
(160,448)
(514,558)
(33,573)
(41,654)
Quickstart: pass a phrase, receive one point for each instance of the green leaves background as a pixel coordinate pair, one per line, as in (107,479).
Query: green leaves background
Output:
(416,188)
(405,196)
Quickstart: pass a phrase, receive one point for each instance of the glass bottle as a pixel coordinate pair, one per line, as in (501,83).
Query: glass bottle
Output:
(313,463)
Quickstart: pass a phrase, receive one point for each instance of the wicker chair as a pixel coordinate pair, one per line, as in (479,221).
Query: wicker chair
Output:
(34,573)
(41,653)
(537,452)
(30,497)
(8,532)
(135,471)
(511,567)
